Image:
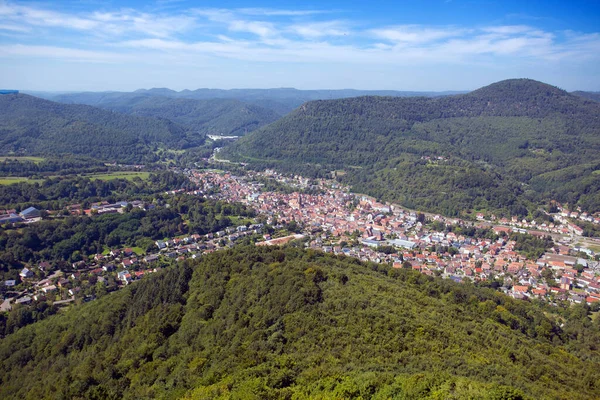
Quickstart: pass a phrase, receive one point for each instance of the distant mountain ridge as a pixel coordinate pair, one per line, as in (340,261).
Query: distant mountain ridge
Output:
(279,100)
(30,125)
(283,93)
(588,95)
(493,140)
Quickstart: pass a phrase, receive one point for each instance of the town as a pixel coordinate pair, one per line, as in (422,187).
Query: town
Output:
(340,222)
(323,215)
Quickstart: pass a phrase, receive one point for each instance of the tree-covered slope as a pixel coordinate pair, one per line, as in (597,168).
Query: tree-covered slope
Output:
(208,116)
(216,116)
(497,145)
(30,125)
(270,323)
(280,100)
(588,95)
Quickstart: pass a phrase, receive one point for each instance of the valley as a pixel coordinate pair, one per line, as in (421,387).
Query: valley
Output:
(363,247)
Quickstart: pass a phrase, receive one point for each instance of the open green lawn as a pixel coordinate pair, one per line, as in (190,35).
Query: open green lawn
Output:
(7,180)
(138,251)
(594,248)
(24,158)
(119,175)
(237,221)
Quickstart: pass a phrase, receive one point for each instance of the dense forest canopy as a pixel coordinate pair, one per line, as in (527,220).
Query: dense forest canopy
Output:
(210,116)
(55,193)
(281,100)
(503,148)
(270,323)
(51,166)
(30,125)
(588,95)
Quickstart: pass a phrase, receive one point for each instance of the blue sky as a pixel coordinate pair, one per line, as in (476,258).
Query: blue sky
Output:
(403,45)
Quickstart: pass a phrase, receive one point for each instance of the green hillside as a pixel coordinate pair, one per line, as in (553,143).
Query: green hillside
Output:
(588,95)
(505,147)
(216,116)
(30,125)
(271,323)
(280,100)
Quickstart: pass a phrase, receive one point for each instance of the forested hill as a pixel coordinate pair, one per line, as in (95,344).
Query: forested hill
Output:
(30,125)
(280,100)
(215,116)
(491,141)
(588,95)
(271,323)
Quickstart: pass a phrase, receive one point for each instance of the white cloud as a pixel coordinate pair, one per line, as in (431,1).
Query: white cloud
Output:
(62,53)
(320,29)
(41,17)
(262,29)
(275,36)
(151,25)
(102,23)
(269,12)
(466,48)
(229,20)
(411,34)
(507,29)
(14,28)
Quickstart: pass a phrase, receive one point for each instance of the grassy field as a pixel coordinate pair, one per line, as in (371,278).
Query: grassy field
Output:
(119,175)
(7,180)
(24,158)
(237,221)
(138,251)
(593,247)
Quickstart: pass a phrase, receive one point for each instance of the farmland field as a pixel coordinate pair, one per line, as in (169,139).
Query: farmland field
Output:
(7,180)
(119,175)
(24,158)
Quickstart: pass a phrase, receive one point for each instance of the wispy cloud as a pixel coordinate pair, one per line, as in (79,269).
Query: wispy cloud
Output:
(269,12)
(42,17)
(258,28)
(114,23)
(118,23)
(107,35)
(508,29)
(62,53)
(320,29)
(14,28)
(414,34)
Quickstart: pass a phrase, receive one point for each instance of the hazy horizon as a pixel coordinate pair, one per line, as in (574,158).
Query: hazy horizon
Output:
(457,91)
(229,89)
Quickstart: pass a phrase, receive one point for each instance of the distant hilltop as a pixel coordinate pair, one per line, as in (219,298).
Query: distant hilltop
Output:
(6,91)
